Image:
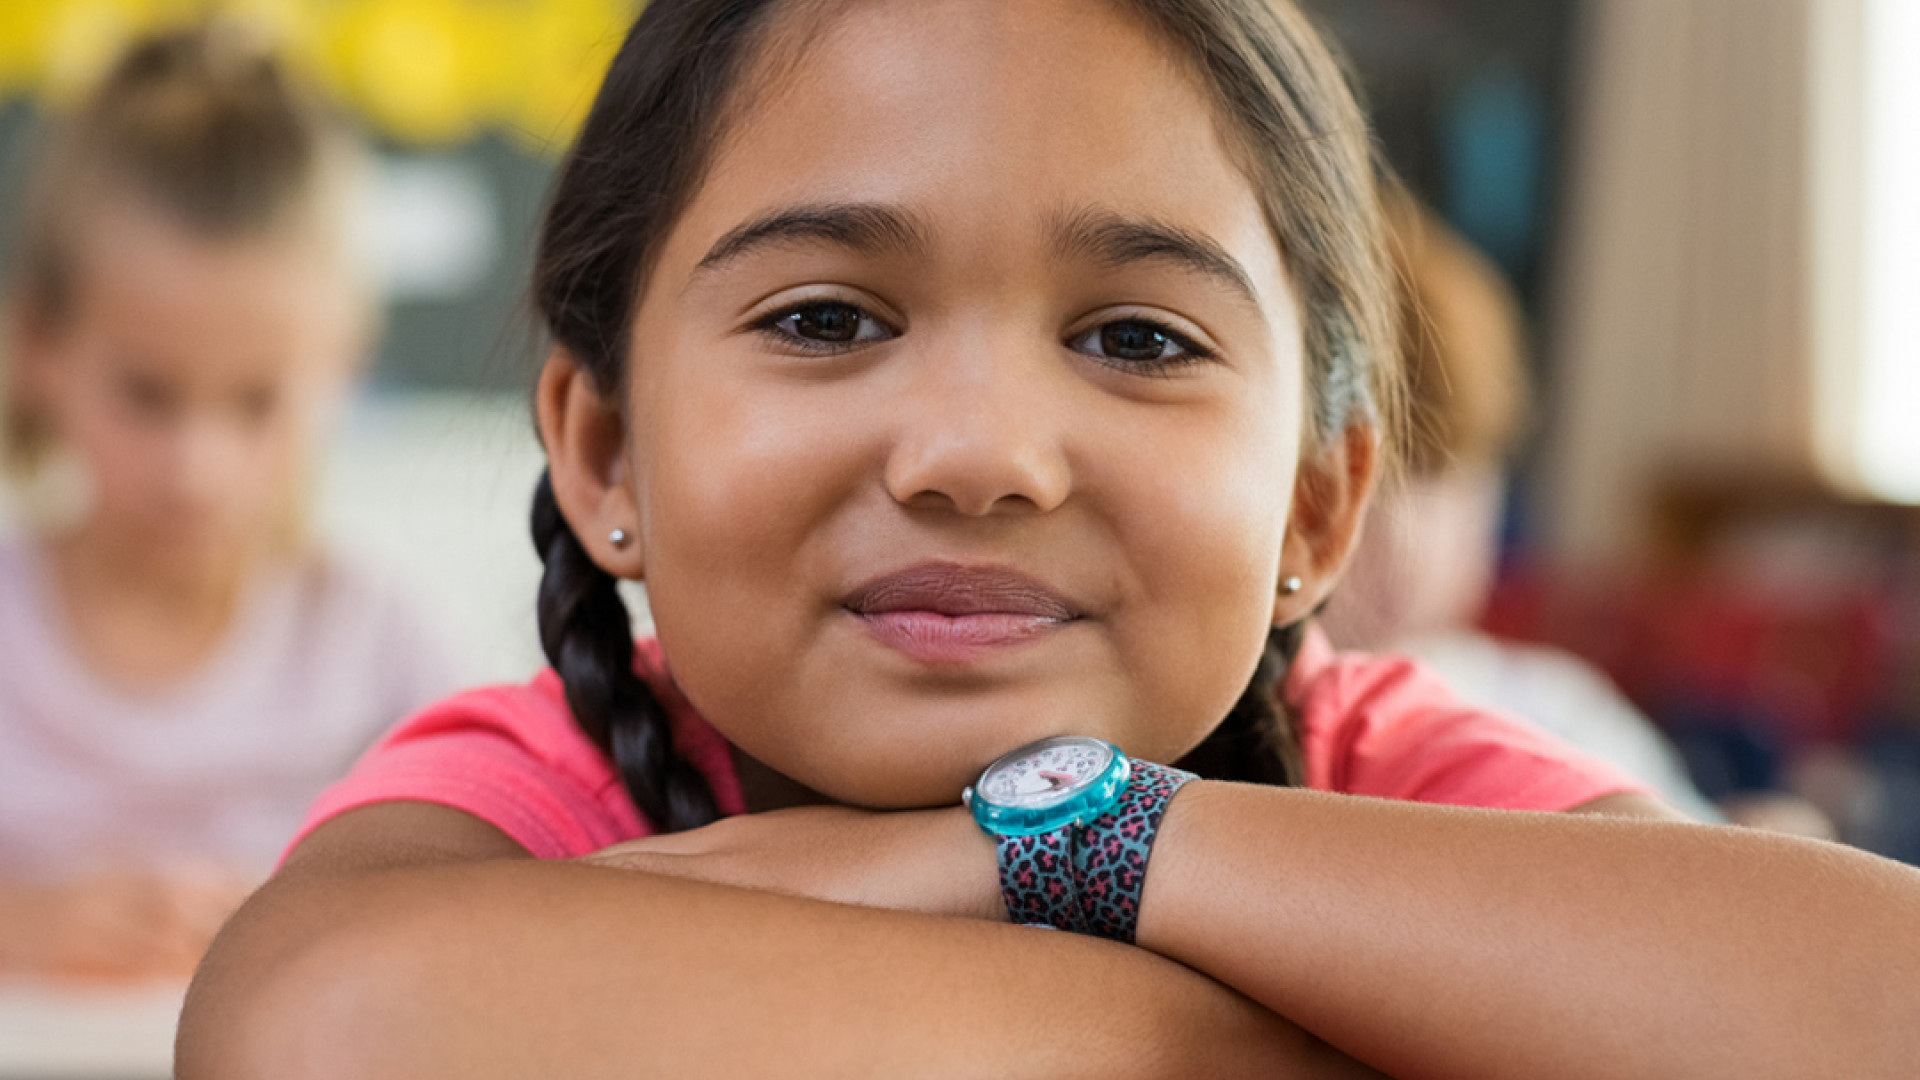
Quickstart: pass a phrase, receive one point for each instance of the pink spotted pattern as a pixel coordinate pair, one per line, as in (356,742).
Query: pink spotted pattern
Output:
(1088,879)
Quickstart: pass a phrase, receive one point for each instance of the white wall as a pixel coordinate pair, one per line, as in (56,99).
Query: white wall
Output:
(438,487)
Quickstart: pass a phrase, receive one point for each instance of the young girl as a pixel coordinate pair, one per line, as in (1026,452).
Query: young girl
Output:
(957,374)
(181,671)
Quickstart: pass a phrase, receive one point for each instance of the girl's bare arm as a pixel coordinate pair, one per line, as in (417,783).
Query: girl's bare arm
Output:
(1439,942)
(1459,943)
(411,940)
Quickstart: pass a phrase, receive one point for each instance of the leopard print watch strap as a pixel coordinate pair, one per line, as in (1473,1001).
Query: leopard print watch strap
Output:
(1088,878)
(1037,880)
(1110,853)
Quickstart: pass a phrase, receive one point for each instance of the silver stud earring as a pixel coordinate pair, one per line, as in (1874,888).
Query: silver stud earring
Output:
(618,538)
(1291,584)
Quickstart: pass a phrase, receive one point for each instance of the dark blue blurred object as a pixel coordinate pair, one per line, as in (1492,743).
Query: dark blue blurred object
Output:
(1493,145)
(1893,829)
(1725,752)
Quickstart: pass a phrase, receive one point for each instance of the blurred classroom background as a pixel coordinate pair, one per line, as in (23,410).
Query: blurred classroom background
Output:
(1705,207)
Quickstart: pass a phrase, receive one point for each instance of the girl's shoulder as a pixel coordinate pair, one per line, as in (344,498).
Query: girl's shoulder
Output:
(513,756)
(1388,726)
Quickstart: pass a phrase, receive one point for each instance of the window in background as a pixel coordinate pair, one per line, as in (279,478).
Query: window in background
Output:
(1886,436)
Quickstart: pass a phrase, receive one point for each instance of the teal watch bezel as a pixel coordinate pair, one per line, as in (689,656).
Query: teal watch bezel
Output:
(1082,805)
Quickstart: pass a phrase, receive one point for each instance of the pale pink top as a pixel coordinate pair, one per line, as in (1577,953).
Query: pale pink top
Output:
(323,656)
(513,757)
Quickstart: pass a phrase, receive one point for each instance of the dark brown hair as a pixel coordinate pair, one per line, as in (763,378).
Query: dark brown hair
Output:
(1298,134)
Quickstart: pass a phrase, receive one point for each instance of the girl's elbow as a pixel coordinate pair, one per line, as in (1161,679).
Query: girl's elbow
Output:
(328,1006)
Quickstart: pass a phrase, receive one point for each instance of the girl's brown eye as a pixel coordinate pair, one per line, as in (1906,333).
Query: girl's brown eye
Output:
(258,403)
(150,397)
(826,324)
(1133,341)
(1138,344)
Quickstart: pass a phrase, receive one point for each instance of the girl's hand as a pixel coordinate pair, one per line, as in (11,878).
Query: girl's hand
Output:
(118,927)
(933,861)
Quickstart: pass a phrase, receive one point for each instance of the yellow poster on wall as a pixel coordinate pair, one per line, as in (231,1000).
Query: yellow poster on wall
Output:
(423,72)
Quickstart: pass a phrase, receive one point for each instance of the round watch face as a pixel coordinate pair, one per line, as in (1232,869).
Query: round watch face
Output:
(1046,773)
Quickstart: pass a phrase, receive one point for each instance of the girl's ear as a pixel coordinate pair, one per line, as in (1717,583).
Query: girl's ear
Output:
(585,433)
(1329,500)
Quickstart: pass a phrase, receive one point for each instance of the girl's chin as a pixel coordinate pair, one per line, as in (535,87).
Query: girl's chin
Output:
(199,552)
(885,785)
(905,773)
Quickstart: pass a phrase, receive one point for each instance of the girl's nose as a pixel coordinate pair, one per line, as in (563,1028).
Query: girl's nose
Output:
(980,432)
(207,455)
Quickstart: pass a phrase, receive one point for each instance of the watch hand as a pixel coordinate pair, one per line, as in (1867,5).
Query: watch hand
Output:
(1058,778)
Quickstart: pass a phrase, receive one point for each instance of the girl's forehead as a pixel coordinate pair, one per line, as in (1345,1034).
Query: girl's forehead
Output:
(272,304)
(985,118)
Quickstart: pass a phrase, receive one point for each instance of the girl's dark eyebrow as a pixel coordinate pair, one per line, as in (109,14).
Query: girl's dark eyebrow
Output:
(872,229)
(865,228)
(1116,240)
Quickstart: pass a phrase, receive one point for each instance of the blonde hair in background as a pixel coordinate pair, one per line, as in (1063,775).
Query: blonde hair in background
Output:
(203,126)
(1462,340)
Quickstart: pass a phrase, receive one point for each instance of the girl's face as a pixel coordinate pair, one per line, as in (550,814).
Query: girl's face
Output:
(965,403)
(189,378)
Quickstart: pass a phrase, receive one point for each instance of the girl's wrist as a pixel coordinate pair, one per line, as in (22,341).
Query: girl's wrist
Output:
(972,872)
(1178,875)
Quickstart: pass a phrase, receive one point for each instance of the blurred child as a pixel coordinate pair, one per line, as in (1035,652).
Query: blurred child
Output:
(1425,567)
(183,669)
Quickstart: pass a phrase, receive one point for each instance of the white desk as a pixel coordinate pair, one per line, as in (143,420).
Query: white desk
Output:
(82,1033)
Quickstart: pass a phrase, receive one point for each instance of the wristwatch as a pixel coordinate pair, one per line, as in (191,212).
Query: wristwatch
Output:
(1074,820)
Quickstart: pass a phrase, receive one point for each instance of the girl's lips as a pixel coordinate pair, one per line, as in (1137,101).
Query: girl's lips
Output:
(952,639)
(939,612)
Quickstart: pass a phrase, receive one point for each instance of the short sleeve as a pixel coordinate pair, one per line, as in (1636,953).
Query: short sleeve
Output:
(1388,727)
(512,757)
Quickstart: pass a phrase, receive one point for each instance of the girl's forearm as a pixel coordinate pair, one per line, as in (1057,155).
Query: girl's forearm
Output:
(122,926)
(516,968)
(1459,943)
(18,925)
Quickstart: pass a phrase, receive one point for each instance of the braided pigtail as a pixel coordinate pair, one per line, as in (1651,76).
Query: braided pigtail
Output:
(1259,741)
(587,638)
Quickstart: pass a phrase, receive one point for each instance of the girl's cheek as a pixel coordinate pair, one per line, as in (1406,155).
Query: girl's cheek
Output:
(1214,551)
(125,456)
(744,463)
(734,479)
(736,475)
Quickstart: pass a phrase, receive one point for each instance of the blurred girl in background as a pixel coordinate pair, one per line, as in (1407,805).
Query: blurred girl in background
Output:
(183,669)
(1424,571)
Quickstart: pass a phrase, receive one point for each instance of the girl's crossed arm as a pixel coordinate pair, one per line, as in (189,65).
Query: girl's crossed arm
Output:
(1440,942)
(408,940)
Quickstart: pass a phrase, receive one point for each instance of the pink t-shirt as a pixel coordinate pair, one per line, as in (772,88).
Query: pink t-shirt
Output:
(1371,725)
